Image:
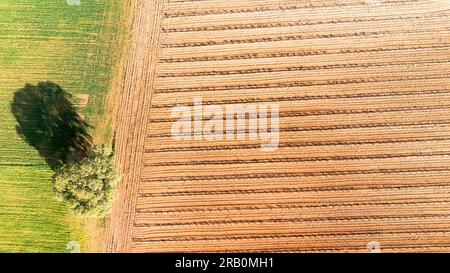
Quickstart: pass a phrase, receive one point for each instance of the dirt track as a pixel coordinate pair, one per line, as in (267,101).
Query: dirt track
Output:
(364,149)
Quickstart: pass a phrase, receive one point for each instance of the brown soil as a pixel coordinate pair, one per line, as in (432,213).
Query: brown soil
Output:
(364,130)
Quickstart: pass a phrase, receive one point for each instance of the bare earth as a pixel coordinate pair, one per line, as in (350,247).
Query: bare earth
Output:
(364,149)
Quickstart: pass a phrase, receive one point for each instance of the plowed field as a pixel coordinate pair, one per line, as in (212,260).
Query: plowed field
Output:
(364,155)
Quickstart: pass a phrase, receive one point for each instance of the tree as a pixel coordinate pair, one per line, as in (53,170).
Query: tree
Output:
(88,185)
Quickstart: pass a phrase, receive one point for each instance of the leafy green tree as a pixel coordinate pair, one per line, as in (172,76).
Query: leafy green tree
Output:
(88,185)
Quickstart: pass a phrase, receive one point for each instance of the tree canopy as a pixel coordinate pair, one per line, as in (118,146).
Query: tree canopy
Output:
(88,185)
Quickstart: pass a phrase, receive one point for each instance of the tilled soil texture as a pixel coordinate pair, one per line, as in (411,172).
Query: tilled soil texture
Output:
(364,106)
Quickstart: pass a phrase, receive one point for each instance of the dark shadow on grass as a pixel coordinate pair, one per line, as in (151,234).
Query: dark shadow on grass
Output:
(49,122)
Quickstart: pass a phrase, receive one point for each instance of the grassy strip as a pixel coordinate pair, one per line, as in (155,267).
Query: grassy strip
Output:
(75,47)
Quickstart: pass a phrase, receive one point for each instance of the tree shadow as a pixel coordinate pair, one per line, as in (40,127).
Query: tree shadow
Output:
(49,122)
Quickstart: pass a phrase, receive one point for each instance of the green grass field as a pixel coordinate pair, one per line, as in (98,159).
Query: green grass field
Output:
(75,47)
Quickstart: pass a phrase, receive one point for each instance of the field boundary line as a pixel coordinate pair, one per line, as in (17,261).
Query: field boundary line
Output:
(138,80)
